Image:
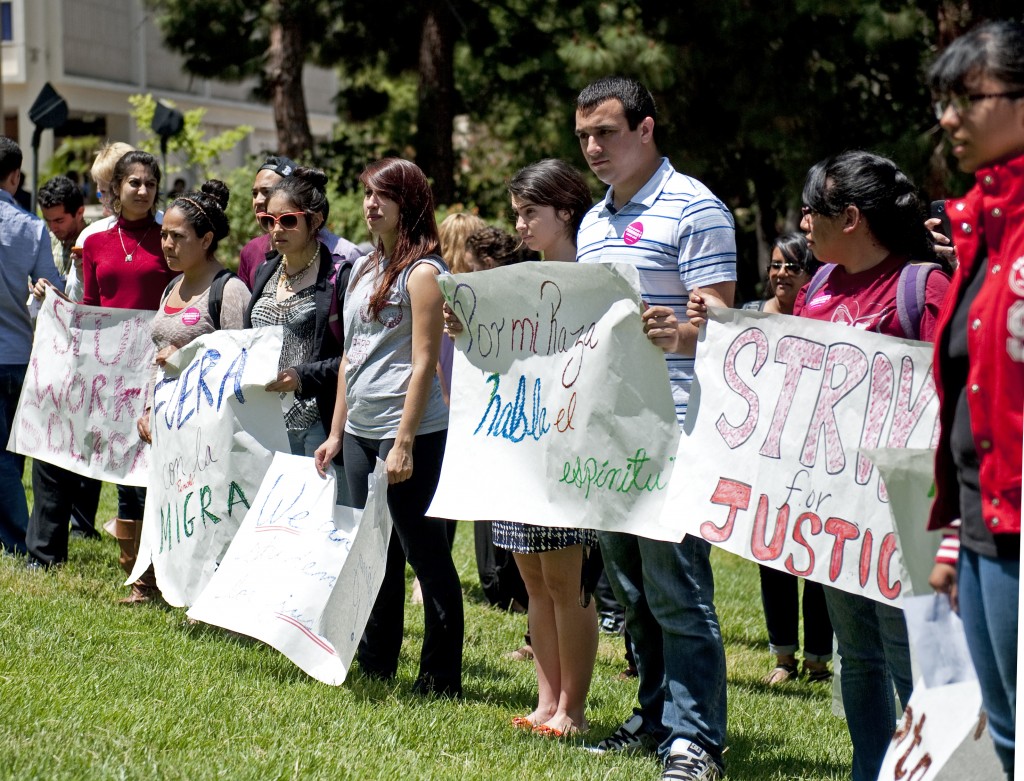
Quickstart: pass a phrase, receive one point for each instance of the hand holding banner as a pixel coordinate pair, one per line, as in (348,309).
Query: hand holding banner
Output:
(561,410)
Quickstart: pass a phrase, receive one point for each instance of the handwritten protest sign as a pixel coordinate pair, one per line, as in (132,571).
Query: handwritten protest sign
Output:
(215,430)
(561,410)
(769,465)
(302,574)
(84,389)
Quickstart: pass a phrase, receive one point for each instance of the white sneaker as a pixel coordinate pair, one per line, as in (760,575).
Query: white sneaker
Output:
(689,762)
(629,738)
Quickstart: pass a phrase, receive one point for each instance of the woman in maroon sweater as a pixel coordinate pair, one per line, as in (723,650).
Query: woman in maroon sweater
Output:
(124,268)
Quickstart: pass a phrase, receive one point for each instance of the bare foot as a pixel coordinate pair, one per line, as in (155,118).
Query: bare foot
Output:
(562,726)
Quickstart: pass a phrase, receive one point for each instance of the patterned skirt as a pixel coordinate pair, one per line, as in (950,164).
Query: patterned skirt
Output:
(525,538)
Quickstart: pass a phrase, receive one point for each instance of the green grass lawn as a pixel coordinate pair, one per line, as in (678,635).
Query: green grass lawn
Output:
(90,690)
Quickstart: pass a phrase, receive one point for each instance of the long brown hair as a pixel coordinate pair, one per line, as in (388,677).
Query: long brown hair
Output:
(404,183)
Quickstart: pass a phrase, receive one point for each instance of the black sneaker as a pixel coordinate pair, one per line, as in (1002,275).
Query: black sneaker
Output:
(629,738)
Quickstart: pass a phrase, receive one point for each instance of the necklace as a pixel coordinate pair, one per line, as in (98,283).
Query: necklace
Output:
(130,256)
(288,281)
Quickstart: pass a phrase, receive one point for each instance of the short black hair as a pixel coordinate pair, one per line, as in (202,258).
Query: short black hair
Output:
(10,156)
(60,191)
(637,101)
(995,49)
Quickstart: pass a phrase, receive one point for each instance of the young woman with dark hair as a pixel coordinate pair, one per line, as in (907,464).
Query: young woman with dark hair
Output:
(123,267)
(863,218)
(301,287)
(978,85)
(390,406)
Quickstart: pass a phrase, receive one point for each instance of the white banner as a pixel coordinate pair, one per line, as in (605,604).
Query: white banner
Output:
(84,389)
(770,466)
(215,430)
(561,410)
(302,575)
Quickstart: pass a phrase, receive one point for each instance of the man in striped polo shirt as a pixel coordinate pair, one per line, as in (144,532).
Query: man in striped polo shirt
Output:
(679,236)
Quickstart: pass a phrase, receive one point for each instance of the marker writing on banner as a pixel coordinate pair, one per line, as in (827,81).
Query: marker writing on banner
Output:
(736,496)
(207,504)
(841,368)
(592,473)
(82,330)
(277,509)
(181,472)
(526,333)
(174,394)
(111,449)
(509,420)
(909,725)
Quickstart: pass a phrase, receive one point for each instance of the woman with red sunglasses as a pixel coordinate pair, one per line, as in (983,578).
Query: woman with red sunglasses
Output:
(294,289)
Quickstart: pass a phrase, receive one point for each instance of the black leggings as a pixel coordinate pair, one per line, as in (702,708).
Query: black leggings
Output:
(424,542)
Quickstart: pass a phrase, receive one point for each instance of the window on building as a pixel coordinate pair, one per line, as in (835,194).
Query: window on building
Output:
(6,22)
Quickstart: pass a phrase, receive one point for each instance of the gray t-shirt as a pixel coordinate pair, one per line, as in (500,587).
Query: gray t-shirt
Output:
(379,354)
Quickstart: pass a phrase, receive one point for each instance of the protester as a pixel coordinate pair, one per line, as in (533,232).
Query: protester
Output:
(274,170)
(679,236)
(390,407)
(25,256)
(454,230)
(978,84)
(863,218)
(301,286)
(123,267)
(194,224)
(102,172)
(58,494)
(549,199)
(791,267)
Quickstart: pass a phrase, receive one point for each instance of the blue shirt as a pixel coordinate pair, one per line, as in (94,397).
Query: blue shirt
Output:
(24,253)
(678,235)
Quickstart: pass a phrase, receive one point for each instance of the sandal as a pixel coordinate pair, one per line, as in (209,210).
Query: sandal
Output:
(522,722)
(782,672)
(570,731)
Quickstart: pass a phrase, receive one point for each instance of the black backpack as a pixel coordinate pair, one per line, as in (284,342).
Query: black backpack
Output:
(216,294)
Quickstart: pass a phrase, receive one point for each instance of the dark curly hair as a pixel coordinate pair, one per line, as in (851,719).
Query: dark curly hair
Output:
(204,211)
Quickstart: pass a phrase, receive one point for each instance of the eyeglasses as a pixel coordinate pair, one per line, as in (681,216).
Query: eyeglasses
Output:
(961,104)
(792,268)
(288,221)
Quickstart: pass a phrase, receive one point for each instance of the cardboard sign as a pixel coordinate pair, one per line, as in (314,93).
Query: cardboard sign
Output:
(215,430)
(771,465)
(84,390)
(302,575)
(561,409)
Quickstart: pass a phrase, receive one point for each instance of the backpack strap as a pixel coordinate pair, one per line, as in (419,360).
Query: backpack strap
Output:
(818,281)
(168,289)
(910,296)
(339,280)
(217,295)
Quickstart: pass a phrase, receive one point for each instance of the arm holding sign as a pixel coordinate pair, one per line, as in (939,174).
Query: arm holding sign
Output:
(720,294)
(427,320)
(332,445)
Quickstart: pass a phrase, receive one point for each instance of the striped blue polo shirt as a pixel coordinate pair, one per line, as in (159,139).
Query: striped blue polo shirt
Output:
(678,235)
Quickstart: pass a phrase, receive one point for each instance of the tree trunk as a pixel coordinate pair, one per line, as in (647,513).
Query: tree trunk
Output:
(285,58)
(436,109)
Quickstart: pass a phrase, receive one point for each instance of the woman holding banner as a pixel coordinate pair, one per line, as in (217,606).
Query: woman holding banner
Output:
(791,267)
(863,218)
(389,406)
(549,199)
(194,224)
(978,84)
(300,287)
(123,267)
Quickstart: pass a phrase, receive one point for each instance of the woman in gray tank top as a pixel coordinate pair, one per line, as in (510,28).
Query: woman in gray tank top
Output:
(389,406)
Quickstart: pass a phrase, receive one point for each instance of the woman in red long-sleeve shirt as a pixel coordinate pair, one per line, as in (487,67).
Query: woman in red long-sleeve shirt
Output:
(124,268)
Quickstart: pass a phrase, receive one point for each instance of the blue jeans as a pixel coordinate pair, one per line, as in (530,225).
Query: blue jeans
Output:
(988,590)
(875,654)
(668,590)
(13,505)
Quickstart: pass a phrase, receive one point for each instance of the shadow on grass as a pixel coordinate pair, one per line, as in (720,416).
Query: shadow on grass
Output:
(746,758)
